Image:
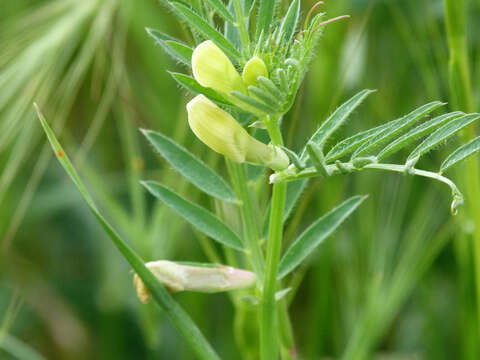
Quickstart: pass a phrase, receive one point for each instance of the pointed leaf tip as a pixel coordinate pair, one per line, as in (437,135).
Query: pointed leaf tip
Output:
(314,235)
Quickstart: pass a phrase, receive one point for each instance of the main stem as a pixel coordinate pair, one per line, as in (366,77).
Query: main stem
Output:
(269,348)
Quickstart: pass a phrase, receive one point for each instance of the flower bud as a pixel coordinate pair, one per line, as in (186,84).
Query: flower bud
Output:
(213,69)
(223,134)
(208,279)
(254,68)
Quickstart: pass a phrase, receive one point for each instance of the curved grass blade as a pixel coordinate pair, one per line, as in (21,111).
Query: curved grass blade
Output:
(197,216)
(289,23)
(442,134)
(174,312)
(18,349)
(339,116)
(464,151)
(172,47)
(192,168)
(315,234)
(193,86)
(396,128)
(416,133)
(221,10)
(204,28)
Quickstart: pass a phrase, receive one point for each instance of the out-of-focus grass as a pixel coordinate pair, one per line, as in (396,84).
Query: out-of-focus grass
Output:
(388,284)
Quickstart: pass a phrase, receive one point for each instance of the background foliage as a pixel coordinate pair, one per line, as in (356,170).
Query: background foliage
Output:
(396,282)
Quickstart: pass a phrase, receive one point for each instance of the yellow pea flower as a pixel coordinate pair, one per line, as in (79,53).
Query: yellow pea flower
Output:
(254,68)
(223,134)
(213,69)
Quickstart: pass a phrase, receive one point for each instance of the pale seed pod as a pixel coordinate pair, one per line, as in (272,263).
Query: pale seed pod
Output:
(207,279)
(222,133)
(254,68)
(213,69)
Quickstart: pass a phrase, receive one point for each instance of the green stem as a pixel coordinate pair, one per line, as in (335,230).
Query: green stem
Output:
(461,98)
(269,318)
(252,233)
(289,175)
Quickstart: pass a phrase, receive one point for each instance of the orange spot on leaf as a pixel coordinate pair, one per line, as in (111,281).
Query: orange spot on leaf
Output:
(60,153)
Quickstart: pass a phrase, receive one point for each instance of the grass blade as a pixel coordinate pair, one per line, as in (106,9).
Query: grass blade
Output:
(197,216)
(396,128)
(192,168)
(18,349)
(442,134)
(417,133)
(315,234)
(204,28)
(339,116)
(464,151)
(172,47)
(175,312)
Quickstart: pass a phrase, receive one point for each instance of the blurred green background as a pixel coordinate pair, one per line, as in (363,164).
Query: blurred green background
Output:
(396,282)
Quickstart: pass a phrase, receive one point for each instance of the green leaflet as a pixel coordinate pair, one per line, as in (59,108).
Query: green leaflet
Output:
(416,133)
(461,153)
(221,10)
(315,234)
(289,23)
(254,105)
(197,216)
(204,28)
(339,116)
(172,47)
(442,134)
(396,128)
(317,159)
(193,86)
(265,17)
(350,144)
(192,168)
(175,312)
(264,96)
(268,85)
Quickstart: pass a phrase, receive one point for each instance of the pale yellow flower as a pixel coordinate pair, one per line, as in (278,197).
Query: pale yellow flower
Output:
(218,130)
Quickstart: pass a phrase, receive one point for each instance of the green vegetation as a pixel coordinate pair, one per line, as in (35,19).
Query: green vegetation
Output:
(280,252)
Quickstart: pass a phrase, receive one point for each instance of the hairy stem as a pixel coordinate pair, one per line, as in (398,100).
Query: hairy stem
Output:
(334,169)
(269,318)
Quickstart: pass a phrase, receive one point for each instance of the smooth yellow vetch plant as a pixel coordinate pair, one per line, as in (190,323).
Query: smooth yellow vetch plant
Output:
(223,134)
(208,279)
